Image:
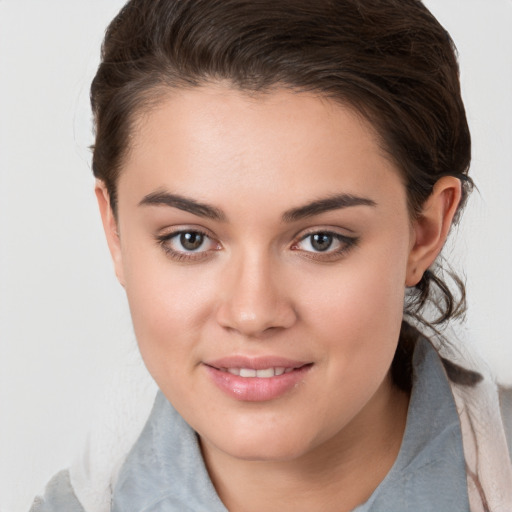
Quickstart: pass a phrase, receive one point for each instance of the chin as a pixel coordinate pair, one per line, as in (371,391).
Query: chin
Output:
(265,447)
(264,454)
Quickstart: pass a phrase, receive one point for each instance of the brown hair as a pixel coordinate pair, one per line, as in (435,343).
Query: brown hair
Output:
(391,60)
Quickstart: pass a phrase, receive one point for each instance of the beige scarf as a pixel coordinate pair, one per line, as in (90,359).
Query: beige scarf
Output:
(489,469)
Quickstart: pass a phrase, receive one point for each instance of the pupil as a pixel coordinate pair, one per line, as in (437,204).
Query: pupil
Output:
(321,241)
(191,241)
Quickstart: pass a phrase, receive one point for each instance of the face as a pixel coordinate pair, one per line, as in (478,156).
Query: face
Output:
(264,245)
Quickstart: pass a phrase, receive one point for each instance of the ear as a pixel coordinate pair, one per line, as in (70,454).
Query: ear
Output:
(110,227)
(432,226)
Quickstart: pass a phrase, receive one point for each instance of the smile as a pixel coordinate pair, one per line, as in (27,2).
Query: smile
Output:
(256,380)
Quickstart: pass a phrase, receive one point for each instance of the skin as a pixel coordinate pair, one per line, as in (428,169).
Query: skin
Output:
(258,287)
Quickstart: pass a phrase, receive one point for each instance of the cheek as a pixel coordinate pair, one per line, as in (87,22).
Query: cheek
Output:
(169,305)
(357,318)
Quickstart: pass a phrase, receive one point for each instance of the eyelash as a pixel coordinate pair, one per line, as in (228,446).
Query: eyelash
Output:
(346,244)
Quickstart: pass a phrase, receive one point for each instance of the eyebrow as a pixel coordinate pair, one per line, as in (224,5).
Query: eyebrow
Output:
(183,203)
(330,203)
(335,202)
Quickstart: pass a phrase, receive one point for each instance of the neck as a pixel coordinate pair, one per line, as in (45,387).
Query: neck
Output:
(335,476)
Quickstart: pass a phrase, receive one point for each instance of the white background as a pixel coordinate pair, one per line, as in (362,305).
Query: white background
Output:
(63,317)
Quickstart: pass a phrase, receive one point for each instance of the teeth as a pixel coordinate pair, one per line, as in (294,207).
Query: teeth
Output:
(266,373)
(269,372)
(247,372)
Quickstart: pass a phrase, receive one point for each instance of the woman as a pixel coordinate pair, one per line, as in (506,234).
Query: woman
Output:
(276,181)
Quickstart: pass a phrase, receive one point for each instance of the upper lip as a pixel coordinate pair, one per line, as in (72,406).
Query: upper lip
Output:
(255,363)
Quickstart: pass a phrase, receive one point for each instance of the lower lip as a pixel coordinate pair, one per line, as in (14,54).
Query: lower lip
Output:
(257,389)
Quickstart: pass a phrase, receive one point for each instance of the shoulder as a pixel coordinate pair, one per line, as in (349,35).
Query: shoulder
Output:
(58,496)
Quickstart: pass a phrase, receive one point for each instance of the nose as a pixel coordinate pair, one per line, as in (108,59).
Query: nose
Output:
(254,298)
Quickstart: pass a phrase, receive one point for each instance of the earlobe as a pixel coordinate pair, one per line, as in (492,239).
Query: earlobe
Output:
(110,227)
(432,226)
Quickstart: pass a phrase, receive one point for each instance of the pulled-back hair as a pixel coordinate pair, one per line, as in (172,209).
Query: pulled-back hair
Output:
(390,60)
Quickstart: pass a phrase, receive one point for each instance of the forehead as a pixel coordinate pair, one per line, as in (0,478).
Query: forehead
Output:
(219,139)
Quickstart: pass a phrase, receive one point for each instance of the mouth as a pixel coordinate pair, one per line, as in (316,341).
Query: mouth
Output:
(257,380)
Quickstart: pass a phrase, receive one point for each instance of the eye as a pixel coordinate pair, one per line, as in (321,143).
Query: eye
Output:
(190,240)
(188,244)
(320,242)
(324,245)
